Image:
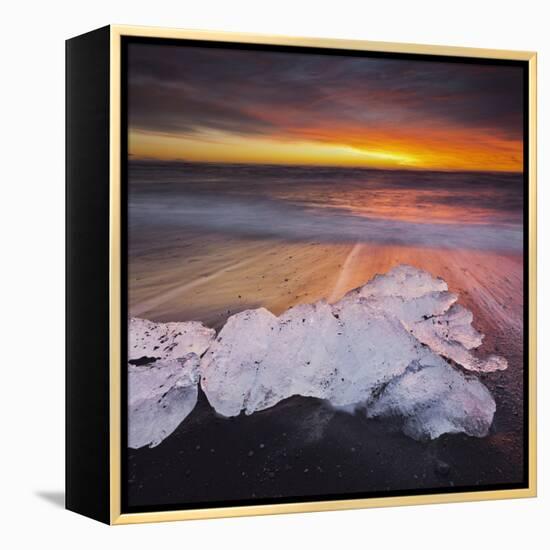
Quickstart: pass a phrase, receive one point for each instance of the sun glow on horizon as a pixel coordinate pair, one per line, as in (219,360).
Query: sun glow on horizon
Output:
(431,151)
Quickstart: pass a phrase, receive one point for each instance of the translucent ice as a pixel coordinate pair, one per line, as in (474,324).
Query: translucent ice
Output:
(433,400)
(163,374)
(452,335)
(383,347)
(310,350)
(425,307)
(160,396)
(166,340)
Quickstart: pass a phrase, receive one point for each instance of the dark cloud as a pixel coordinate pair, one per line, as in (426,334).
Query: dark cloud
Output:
(187,89)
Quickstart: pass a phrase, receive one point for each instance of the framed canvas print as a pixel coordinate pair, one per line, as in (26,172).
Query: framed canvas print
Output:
(300,274)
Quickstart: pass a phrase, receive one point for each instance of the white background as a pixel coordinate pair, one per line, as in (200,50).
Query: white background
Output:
(32,272)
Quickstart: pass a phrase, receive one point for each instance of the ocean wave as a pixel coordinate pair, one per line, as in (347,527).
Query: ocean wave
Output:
(268,218)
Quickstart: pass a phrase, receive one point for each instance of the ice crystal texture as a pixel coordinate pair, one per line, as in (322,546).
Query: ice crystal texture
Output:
(384,348)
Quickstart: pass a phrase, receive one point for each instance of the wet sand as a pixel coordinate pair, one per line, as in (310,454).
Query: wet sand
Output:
(302,447)
(208,279)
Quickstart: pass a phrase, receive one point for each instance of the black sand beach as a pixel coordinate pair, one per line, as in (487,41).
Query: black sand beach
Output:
(304,448)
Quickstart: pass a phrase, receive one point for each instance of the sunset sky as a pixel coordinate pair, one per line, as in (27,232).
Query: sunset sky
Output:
(225,105)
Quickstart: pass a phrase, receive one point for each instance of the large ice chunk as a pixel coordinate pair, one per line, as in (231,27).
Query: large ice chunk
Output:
(352,355)
(311,350)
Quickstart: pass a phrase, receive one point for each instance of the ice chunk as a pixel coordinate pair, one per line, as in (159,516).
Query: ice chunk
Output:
(405,281)
(356,354)
(433,400)
(160,397)
(405,292)
(383,346)
(452,335)
(147,339)
(426,309)
(342,355)
(259,359)
(163,374)
(229,369)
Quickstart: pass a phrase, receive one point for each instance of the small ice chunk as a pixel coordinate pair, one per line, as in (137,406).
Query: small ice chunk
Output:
(229,369)
(427,310)
(452,336)
(455,325)
(413,310)
(405,292)
(163,374)
(405,281)
(166,340)
(434,400)
(160,397)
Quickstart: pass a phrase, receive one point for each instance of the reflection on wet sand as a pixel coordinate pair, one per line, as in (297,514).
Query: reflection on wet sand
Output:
(208,240)
(203,279)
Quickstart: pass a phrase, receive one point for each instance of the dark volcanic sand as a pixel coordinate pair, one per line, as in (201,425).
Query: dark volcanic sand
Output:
(302,447)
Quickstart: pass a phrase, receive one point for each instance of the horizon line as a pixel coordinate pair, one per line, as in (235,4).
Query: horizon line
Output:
(132,158)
